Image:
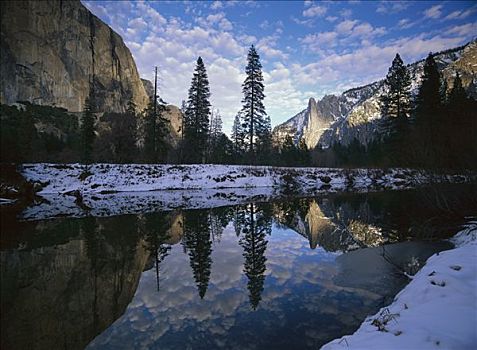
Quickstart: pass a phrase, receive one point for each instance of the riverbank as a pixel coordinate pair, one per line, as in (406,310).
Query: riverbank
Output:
(436,310)
(109,178)
(60,190)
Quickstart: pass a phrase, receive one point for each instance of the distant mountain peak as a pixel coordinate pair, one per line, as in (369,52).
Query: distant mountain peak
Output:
(354,113)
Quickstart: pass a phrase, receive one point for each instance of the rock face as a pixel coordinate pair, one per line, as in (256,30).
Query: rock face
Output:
(53,51)
(174,115)
(148,87)
(354,114)
(310,123)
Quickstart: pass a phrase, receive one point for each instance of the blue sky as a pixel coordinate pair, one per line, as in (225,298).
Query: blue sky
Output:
(308,48)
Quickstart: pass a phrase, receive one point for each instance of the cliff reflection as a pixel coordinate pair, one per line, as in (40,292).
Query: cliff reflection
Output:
(62,295)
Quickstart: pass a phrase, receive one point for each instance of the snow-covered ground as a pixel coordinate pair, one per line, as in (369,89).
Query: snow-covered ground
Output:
(102,205)
(436,310)
(113,189)
(104,178)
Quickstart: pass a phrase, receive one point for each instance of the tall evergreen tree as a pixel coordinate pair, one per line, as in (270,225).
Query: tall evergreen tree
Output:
(428,115)
(461,126)
(196,118)
(87,130)
(396,100)
(429,98)
(396,108)
(215,133)
(238,136)
(156,129)
(255,122)
(122,136)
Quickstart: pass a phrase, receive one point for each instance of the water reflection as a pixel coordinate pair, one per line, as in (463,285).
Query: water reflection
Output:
(231,277)
(254,227)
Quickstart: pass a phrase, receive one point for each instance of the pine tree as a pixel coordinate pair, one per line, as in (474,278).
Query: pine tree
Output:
(196,118)
(396,100)
(429,115)
(87,129)
(429,98)
(238,136)
(122,138)
(457,94)
(461,126)
(215,133)
(255,122)
(156,129)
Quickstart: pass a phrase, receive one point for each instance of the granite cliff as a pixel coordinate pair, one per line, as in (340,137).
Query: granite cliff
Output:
(53,51)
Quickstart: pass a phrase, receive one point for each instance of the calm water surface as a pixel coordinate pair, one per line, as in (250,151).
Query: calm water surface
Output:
(292,274)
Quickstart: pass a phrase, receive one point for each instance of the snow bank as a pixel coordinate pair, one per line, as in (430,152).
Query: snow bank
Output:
(122,203)
(107,178)
(436,310)
(114,189)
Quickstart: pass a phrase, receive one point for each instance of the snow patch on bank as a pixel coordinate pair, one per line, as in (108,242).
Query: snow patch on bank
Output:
(436,310)
(104,178)
(114,189)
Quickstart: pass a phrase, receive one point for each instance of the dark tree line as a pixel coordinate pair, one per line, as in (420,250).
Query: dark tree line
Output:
(437,128)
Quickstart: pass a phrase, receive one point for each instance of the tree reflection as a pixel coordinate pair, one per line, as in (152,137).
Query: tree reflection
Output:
(156,235)
(110,247)
(255,226)
(219,219)
(197,243)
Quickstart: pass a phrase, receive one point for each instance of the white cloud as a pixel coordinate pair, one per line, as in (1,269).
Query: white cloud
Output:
(218,20)
(346,13)
(433,12)
(345,27)
(247,39)
(320,38)
(331,18)
(391,7)
(138,24)
(315,11)
(216,5)
(264,25)
(461,14)
(463,30)
(367,30)
(405,23)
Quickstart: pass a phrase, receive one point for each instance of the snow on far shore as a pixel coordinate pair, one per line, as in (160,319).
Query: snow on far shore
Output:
(436,310)
(107,178)
(115,189)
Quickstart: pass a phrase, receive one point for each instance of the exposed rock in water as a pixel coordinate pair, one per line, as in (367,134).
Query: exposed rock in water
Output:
(51,51)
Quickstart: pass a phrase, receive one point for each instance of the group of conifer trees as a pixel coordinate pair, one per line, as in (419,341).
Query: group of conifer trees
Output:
(203,139)
(436,130)
(120,141)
